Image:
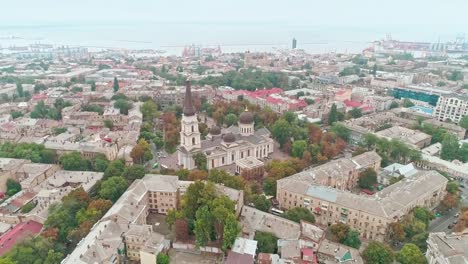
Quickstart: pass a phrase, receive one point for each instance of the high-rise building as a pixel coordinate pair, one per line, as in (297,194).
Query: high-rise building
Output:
(294,43)
(452,107)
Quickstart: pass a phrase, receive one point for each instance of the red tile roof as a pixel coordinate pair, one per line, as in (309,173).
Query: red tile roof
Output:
(21,230)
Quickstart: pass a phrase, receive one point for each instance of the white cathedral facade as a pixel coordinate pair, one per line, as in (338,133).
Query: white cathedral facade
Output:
(222,147)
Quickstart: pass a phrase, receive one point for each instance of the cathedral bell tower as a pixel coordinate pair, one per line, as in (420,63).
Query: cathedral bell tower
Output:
(190,140)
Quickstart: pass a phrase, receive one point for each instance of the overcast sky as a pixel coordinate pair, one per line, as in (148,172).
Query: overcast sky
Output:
(440,13)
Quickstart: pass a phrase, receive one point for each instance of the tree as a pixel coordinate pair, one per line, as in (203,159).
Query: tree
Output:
(230,231)
(123,106)
(113,188)
(115,168)
(203,226)
(266,242)
(108,124)
(339,231)
(100,163)
(367,179)
(149,109)
(281,131)
(297,214)
(464,122)
(423,214)
(115,85)
(394,105)
(261,202)
(13,187)
(19,90)
(355,112)
(230,119)
(141,153)
(134,172)
(16,114)
(269,186)
(378,253)
(93,86)
(74,162)
(450,201)
(456,76)
(162,258)
(397,231)
(450,147)
(407,103)
(411,254)
(452,187)
(341,131)
(352,239)
(200,161)
(298,148)
(374,70)
(333,115)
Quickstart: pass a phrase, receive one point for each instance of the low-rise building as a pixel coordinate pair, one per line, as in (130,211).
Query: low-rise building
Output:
(331,252)
(447,249)
(411,137)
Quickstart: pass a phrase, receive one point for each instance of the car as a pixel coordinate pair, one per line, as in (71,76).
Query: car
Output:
(457,215)
(462,186)
(455,222)
(450,226)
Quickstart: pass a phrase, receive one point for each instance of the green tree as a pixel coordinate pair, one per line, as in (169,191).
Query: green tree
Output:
(352,239)
(298,148)
(200,161)
(162,258)
(333,115)
(423,214)
(203,226)
(266,242)
(355,112)
(230,119)
(16,114)
(411,254)
(281,131)
(367,179)
(93,86)
(13,187)
(339,231)
(374,70)
(378,253)
(19,90)
(134,172)
(108,124)
(456,76)
(464,122)
(407,103)
(74,162)
(113,188)
(100,163)
(394,105)
(115,85)
(149,109)
(269,186)
(450,147)
(115,168)
(261,202)
(230,231)
(123,106)
(297,214)
(53,257)
(341,131)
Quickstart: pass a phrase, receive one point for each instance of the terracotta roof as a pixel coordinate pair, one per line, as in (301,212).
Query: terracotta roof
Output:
(8,240)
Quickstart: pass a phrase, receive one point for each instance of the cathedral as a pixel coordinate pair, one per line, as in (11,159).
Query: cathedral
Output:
(222,147)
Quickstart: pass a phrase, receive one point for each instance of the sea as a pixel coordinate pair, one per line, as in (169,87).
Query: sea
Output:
(172,37)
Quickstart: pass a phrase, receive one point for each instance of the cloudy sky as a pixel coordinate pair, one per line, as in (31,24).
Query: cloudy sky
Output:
(440,13)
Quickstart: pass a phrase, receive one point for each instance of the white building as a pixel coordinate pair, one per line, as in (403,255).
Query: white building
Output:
(451,106)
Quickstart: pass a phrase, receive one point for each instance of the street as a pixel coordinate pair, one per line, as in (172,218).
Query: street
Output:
(441,224)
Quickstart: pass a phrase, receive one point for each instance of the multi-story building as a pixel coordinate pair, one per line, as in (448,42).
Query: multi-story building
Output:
(341,174)
(451,107)
(447,249)
(411,137)
(370,215)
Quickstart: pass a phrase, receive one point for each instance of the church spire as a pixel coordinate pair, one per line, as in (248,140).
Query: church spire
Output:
(189,110)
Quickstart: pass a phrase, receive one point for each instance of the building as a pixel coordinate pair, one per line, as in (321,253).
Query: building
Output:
(341,174)
(294,43)
(414,138)
(243,251)
(330,252)
(220,149)
(8,170)
(17,233)
(447,249)
(451,107)
(370,215)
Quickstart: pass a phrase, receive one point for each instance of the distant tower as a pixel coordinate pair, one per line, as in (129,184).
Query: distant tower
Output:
(294,43)
(190,141)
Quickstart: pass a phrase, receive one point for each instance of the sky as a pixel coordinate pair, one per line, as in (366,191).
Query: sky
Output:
(441,14)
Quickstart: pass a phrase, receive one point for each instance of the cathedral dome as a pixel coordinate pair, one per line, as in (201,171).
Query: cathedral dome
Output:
(215,130)
(229,138)
(246,117)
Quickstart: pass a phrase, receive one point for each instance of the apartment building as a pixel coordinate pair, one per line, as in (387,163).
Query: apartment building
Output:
(370,215)
(447,249)
(342,173)
(452,107)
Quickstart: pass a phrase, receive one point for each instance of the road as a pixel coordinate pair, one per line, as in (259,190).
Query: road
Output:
(441,224)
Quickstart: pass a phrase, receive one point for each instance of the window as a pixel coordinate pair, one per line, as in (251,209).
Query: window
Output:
(232,156)
(222,160)
(193,141)
(193,129)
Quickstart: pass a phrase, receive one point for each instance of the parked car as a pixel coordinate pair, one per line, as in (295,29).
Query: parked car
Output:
(451,226)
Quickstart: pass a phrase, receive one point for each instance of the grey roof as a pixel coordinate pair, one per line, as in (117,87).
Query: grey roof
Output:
(453,248)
